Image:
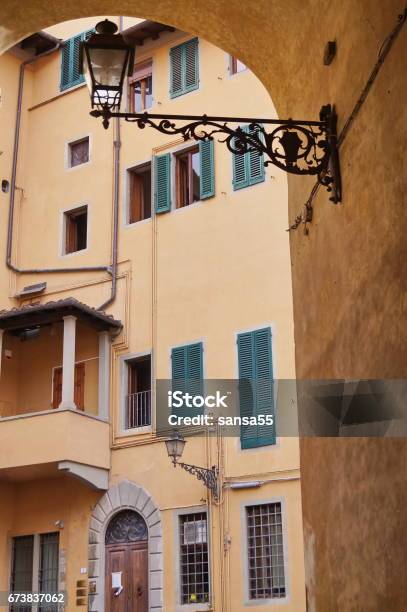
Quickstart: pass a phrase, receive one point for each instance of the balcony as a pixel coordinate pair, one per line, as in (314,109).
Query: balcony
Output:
(54,391)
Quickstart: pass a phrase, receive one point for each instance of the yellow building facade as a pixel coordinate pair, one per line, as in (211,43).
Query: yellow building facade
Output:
(108,278)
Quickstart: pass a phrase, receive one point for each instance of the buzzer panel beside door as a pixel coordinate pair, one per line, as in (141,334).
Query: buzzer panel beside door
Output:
(130,560)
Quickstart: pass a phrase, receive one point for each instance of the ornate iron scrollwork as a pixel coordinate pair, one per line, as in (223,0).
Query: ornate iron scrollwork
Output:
(126,526)
(208,476)
(296,147)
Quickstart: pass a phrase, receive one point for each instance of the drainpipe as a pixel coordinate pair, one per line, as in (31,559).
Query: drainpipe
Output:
(9,263)
(116,189)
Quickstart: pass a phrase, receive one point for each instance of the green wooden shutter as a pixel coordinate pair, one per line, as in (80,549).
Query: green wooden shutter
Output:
(264,387)
(256,389)
(70,69)
(248,168)
(176,62)
(207,178)
(162,183)
(187,373)
(65,65)
(191,73)
(255,162)
(194,370)
(245,345)
(184,68)
(240,173)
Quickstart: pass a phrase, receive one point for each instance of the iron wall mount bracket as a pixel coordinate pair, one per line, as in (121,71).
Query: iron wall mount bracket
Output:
(209,476)
(294,146)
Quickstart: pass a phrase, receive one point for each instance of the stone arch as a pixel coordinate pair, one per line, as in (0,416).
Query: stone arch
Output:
(122,496)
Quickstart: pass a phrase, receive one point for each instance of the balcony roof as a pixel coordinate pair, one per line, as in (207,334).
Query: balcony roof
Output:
(146,29)
(32,315)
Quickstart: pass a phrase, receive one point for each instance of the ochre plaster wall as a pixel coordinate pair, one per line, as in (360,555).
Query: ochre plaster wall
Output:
(347,284)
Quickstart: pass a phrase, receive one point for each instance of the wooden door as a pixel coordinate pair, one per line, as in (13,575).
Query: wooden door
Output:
(132,561)
(57,388)
(79,391)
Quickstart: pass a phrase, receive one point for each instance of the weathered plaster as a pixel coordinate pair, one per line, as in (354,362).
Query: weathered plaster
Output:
(348,287)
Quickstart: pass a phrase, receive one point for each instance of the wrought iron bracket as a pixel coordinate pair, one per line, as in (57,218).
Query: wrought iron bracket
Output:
(296,147)
(209,476)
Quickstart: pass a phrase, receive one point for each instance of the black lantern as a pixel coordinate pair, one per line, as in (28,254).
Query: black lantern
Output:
(105,60)
(175,446)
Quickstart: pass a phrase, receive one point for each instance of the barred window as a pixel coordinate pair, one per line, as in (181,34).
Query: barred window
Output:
(48,570)
(194,564)
(265,551)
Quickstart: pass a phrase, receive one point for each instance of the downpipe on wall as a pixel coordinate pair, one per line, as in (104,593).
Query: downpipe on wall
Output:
(9,248)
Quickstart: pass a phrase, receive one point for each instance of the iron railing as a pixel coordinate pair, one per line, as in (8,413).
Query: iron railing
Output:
(138,409)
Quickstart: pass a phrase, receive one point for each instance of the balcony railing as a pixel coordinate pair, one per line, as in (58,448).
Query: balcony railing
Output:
(138,410)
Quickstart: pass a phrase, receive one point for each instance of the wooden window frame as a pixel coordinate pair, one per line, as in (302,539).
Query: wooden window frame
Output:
(70,237)
(141,73)
(72,144)
(133,172)
(179,179)
(234,64)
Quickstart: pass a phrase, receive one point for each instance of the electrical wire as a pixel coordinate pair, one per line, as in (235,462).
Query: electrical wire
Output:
(305,216)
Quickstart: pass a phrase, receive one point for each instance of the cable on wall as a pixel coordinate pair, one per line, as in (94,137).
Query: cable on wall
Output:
(305,216)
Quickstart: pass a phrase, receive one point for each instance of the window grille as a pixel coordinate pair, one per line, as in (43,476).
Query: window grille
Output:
(22,568)
(194,566)
(265,552)
(48,570)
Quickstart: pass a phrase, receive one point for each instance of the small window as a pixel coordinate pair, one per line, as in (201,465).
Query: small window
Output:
(265,551)
(139,194)
(188,175)
(35,559)
(141,88)
(236,65)
(78,152)
(194,562)
(138,400)
(76,229)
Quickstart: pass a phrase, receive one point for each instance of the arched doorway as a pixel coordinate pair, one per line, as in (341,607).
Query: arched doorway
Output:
(126,563)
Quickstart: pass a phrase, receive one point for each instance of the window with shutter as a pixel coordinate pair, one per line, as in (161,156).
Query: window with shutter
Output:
(162,183)
(248,168)
(256,388)
(70,73)
(184,68)
(187,372)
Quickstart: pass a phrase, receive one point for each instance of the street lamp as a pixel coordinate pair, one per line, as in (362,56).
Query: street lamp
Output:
(105,60)
(295,146)
(209,476)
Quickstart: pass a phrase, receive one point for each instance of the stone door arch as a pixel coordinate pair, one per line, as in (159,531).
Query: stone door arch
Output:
(125,496)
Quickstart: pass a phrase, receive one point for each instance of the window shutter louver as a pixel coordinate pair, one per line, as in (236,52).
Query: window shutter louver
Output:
(176,55)
(70,69)
(264,385)
(256,389)
(191,64)
(207,178)
(246,381)
(187,373)
(76,76)
(184,68)
(162,183)
(255,166)
(248,168)
(65,65)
